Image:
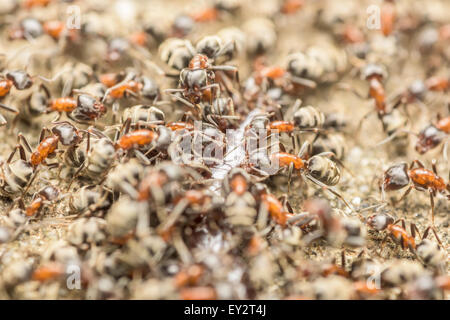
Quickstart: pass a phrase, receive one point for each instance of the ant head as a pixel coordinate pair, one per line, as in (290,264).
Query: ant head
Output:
(380,221)
(429,138)
(49,193)
(88,108)
(20,78)
(396,177)
(194,80)
(32,27)
(374,71)
(67,133)
(417,88)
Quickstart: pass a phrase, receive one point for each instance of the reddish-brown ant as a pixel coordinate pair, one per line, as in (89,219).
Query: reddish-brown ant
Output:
(137,138)
(47,194)
(318,169)
(189,276)
(197,81)
(382,221)
(275,208)
(399,176)
(63,132)
(280,76)
(431,136)
(387,17)
(21,80)
(56,29)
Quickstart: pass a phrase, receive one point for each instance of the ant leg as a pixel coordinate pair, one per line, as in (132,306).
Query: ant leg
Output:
(406,193)
(348,87)
(418,162)
(383,243)
(234,69)
(184,101)
(210,86)
(174,216)
(402,221)
(24,140)
(23,156)
(129,77)
(128,92)
(414,229)
(433,165)
(392,137)
(425,234)
(191,49)
(115,111)
(3,121)
(303,82)
(33,177)
(304,150)
(173,90)
(8,108)
(432,205)
(142,157)
(126,127)
(67,88)
(42,135)
(330,189)
(224,68)
(12,154)
(290,170)
(343,258)
(297,105)
(358,129)
(445,151)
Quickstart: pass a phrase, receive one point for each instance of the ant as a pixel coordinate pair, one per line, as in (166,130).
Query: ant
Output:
(63,132)
(82,109)
(15,175)
(399,176)
(387,16)
(123,89)
(275,208)
(279,75)
(197,81)
(137,138)
(375,74)
(21,81)
(57,30)
(419,88)
(111,79)
(318,169)
(47,194)
(382,221)
(432,135)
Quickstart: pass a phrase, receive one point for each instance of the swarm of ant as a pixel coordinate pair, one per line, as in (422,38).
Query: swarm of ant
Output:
(97,202)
